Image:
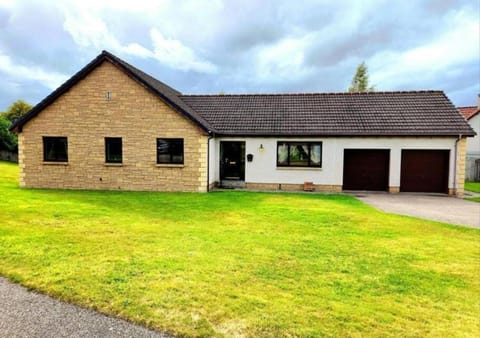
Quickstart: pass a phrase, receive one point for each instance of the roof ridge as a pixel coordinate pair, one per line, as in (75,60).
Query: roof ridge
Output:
(125,63)
(165,92)
(321,93)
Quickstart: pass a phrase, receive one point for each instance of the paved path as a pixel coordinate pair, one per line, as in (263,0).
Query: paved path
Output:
(438,208)
(29,314)
(471,194)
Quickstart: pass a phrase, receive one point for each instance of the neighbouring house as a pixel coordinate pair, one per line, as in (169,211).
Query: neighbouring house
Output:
(472,115)
(111,126)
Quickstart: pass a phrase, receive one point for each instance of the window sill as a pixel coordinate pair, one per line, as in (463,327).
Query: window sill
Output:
(300,168)
(54,163)
(113,164)
(168,165)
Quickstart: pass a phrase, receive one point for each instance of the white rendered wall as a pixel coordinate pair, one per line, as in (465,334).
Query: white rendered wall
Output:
(263,168)
(473,143)
(212,162)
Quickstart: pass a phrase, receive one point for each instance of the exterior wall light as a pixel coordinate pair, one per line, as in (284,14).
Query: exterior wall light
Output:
(261,148)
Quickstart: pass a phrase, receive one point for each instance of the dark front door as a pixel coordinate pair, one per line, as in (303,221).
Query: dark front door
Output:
(232,160)
(424,171)
(366,169)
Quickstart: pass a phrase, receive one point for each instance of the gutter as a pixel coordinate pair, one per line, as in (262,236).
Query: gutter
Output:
(455,183)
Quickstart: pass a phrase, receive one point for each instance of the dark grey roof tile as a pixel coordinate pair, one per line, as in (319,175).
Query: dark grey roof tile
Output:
(374,113)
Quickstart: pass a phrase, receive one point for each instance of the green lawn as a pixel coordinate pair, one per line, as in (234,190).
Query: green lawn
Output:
(472,186)
(239,263)
(475,187)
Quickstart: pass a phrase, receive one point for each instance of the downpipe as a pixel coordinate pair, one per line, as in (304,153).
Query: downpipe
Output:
(455,183)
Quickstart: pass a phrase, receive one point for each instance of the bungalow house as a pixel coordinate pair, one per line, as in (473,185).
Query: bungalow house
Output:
(111,126)
(472,115)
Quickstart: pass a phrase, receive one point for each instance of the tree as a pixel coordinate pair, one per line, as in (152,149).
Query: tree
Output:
(360,80)
(16,110)
(8,140)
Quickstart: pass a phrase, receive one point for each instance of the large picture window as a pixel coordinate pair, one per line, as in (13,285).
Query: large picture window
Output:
(169,151)
(113,150)
(55,149)
(299,154)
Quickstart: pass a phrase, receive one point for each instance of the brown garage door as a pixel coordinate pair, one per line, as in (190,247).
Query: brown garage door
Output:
(366,169)
(424,171)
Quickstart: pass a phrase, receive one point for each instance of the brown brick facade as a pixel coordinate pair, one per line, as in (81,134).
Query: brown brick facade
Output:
(86,117)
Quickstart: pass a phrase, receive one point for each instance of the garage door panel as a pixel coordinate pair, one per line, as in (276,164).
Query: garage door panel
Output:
(424,171)
(366,169)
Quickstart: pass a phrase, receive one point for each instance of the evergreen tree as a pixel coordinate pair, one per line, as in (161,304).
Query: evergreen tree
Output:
(360,80)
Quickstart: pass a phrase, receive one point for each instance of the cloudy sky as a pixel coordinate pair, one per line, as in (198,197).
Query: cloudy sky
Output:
(243,46)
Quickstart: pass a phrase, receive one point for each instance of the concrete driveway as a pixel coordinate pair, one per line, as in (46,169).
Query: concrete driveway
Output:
(438,208)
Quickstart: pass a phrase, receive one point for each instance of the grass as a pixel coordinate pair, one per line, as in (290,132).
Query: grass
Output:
(475,187)
(242,264)
(472,186)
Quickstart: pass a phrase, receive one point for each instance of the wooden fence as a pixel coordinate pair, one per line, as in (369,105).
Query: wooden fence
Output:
(8,156)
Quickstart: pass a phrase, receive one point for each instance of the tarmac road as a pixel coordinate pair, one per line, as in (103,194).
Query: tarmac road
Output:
(25,313)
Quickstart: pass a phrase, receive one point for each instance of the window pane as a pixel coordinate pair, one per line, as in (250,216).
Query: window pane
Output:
(163,151)
(55,149)
(113,150)
(177,151)
(315,154)
(298,154)
(170,151)
(163,158)
(282,154)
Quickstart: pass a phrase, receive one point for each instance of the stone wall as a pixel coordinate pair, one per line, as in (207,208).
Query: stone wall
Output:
(292,187)
(460,170)
(86,116)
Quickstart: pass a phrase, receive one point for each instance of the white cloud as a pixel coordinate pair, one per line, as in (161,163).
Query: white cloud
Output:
(137,6)
(137,50)
(178,56)
(50,79)
(85,24)
(87,29)
(7,4)
(282,59)
(236,45)
(457,45)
